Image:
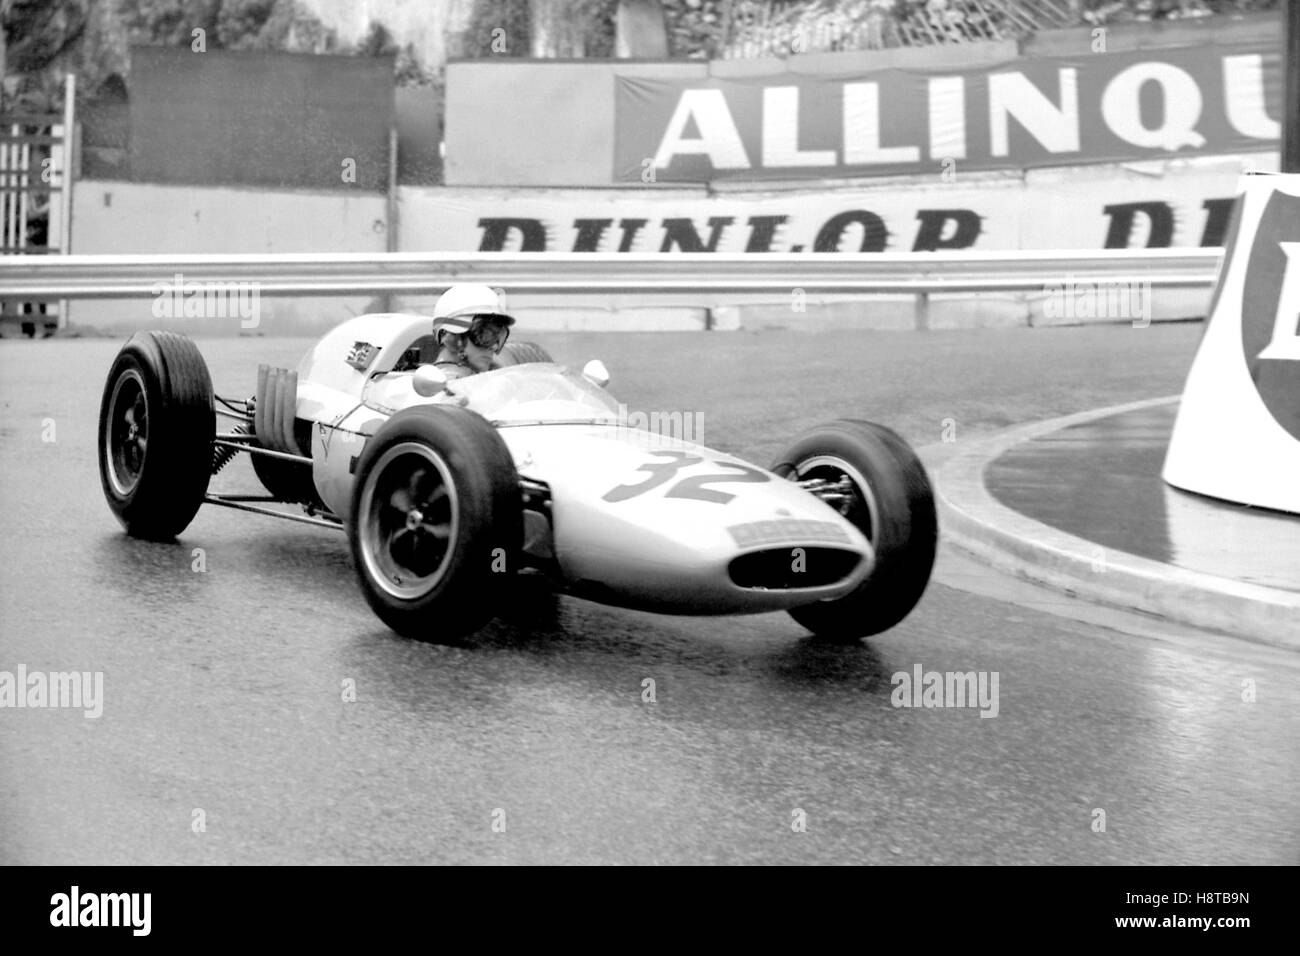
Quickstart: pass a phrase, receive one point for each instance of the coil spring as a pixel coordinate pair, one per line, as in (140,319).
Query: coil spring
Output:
(221,454)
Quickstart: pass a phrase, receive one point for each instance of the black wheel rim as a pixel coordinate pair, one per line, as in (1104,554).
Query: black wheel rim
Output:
(128,432)
(408,518)
(859,506)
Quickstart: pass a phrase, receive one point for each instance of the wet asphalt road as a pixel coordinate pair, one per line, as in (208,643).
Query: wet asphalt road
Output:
(223,688)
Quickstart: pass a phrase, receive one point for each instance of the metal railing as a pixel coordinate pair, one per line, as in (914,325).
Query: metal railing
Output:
(702,274)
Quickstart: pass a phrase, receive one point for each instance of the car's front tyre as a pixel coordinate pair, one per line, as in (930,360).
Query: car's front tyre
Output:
(436,522)
(889,499)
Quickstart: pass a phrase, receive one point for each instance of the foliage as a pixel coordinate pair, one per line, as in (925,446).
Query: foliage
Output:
(407,69)
(1120,11)
(512,18)
(567,28)
(695,27)
(43,39)
(46,38)
(782,27)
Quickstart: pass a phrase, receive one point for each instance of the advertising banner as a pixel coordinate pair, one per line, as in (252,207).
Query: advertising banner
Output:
(1100,207)
(1029,112)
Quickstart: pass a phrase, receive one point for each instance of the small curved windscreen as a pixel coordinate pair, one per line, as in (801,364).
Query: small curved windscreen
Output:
(537,392)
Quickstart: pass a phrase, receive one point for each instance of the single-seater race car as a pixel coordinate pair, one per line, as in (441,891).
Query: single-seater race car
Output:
(446,489)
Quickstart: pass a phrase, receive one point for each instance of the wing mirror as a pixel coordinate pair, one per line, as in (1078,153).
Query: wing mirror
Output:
(596,372)
(428,380)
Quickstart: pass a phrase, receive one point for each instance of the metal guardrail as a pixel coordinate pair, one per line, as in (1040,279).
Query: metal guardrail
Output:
(31,278)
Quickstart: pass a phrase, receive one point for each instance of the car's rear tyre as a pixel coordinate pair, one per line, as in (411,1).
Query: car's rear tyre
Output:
(289,480)
(436,523)
(522,353)
(156,429)
(891,503)
(286,480)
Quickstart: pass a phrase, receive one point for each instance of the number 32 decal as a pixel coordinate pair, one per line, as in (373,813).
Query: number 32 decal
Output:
(694,487)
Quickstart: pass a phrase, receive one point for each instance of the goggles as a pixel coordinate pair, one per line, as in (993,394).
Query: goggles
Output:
(488,332)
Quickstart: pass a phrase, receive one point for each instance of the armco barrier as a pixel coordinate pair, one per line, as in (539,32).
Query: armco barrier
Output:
(30,278)
(49,277)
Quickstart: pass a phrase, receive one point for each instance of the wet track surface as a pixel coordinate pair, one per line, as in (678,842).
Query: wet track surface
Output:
(223,688)
(1107,488)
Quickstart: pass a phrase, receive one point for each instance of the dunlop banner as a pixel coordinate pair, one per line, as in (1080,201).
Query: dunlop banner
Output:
(1187,203)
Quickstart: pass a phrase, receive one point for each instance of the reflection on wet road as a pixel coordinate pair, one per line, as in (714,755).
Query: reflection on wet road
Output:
(1108,489)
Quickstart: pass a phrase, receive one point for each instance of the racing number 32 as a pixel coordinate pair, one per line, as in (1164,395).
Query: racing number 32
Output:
(692,487)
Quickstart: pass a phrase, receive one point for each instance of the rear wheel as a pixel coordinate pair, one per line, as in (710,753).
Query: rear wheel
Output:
(887,496)
(286,480)
(156,432)
(436,523)
(289,480)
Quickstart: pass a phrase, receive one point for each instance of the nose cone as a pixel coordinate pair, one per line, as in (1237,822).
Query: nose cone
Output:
(655,523)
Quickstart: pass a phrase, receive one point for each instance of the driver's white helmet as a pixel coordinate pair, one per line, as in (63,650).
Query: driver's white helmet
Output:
(457,307)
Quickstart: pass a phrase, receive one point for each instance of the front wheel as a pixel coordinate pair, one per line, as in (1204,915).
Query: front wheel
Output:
(885,493)
(156,429)
(436,523)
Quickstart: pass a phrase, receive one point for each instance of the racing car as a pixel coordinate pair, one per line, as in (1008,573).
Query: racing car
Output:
(446,489)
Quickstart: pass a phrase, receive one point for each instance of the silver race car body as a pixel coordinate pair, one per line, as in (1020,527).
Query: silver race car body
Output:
(627,516)
(446,488)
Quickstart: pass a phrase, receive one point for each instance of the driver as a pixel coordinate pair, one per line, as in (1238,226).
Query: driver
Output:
(471,329)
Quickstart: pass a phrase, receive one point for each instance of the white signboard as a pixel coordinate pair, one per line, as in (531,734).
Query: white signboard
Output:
(1160,204)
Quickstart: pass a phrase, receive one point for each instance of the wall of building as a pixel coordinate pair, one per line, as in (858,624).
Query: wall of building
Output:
(534,122)
(112,217)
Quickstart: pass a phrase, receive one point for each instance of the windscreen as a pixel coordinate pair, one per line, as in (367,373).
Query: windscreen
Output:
(537,392)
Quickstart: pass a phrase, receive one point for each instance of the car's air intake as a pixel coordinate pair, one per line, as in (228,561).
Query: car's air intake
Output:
(793,567)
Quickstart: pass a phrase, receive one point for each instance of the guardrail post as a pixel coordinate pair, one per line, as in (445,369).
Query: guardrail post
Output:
(390,212)
(921,312)
(67,174)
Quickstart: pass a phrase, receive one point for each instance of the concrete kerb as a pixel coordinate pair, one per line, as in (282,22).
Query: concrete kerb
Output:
(972,520)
